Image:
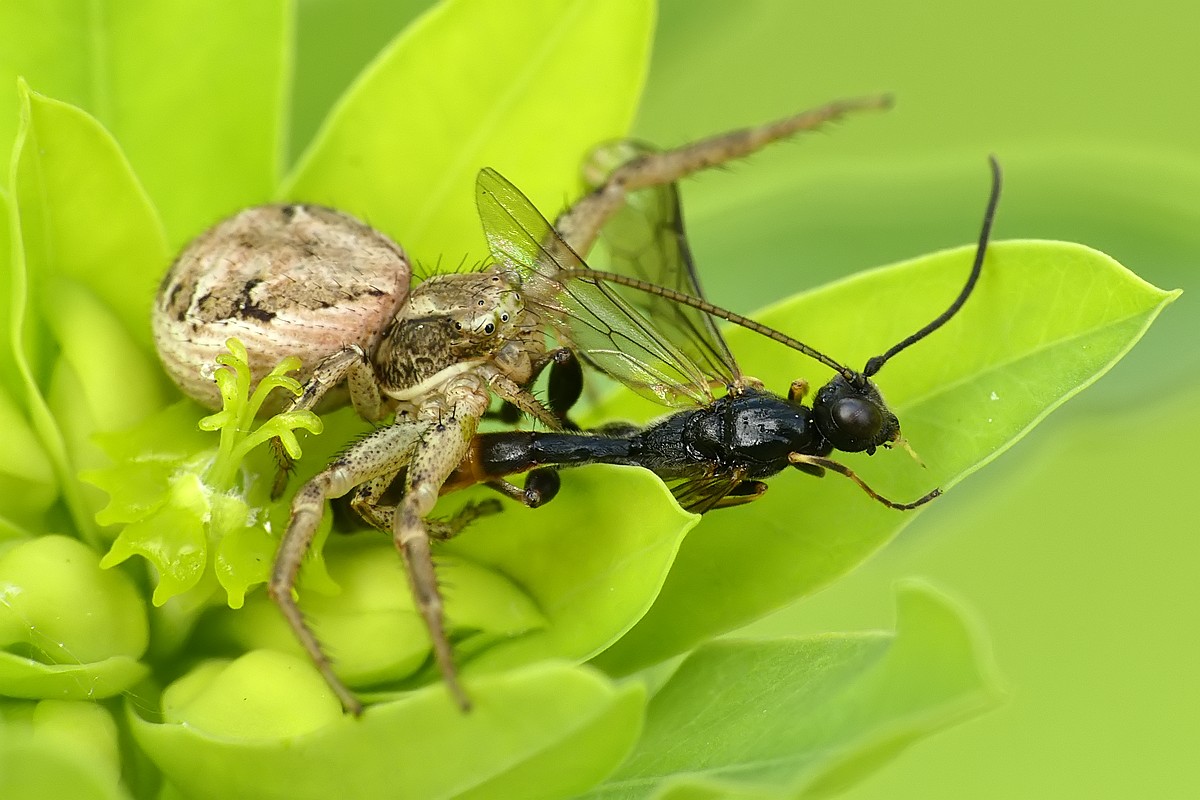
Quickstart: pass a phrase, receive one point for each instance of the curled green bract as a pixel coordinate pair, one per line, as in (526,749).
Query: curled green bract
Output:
(68,629)
(193,509)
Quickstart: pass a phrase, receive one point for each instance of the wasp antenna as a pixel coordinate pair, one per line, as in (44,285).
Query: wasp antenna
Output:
(676,296)
(876,363)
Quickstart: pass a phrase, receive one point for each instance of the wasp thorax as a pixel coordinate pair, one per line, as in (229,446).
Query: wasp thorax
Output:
(853,416)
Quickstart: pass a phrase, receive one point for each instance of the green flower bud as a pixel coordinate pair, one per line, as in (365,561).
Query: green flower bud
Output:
(59,748)
(62,607)
(262,695)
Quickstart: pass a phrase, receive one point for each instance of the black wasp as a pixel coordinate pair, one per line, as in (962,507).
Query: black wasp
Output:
(717,452)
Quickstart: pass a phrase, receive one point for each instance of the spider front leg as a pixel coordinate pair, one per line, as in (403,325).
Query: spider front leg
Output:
(513,367)
(511,392)
(563,390)
(381,454)
(349,364)
(580,224)
(444,444)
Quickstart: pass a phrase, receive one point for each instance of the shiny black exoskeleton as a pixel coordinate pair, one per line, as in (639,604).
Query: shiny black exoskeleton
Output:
(720,451)
(752,433)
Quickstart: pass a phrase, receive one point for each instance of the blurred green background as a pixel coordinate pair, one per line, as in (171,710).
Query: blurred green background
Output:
(1079,548)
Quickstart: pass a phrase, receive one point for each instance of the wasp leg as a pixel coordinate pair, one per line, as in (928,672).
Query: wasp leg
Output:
(798,391)
(565,386)
(349,364)
(448,528)
(745,492)
(382,453)
(810,469)
(566,378)
(616,429)
(800,460)
(580,224)
(701,495)
(541,486)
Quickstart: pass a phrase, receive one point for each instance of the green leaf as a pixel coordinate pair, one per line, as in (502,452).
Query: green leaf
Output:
(545,731)
(470,85)
(84,215)
(13,304)
(41,577)
(27,483)
(102,381)
(118,382)
(194,90)
(12,530)
(1047,319)
(78,216)
(800,717)
(335,40)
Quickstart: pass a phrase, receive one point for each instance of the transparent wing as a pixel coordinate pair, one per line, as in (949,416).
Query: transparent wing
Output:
(590,317)
(645,239)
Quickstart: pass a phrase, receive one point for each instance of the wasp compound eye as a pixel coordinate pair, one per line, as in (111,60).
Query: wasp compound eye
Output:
(853,416)
(857,418)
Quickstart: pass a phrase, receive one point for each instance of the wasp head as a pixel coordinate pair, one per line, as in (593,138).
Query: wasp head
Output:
(851,413)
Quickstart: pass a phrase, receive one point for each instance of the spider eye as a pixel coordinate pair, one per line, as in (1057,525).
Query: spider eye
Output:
(489,328)
(504,317)
(480,302)
(458,326)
